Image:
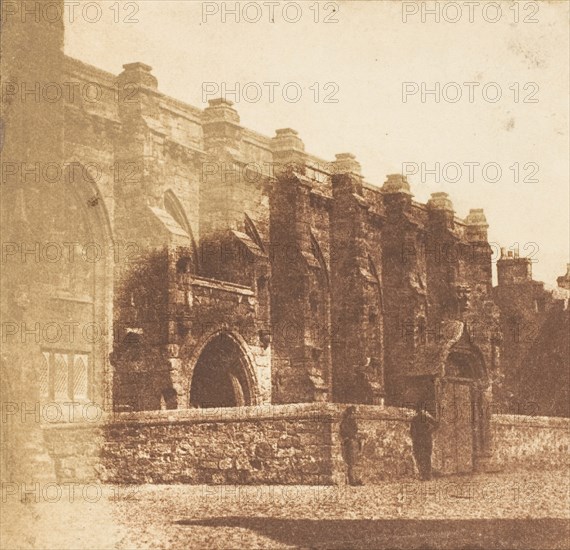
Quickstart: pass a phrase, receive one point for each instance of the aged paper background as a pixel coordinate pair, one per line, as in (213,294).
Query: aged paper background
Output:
(231,272)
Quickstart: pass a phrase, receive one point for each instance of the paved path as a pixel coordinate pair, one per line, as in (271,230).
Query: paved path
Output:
(507,511)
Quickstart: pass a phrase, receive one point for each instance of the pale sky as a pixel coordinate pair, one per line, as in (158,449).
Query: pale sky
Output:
(368,54)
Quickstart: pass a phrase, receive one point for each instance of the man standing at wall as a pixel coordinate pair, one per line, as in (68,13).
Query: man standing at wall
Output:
(421,429)
(351,445)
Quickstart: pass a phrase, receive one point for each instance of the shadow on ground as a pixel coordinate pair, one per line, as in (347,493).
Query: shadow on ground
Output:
(406,534)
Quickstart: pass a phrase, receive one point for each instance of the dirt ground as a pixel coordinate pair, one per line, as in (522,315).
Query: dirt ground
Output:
(527,510)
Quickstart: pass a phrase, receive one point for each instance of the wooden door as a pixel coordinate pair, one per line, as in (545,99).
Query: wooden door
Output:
(453,441)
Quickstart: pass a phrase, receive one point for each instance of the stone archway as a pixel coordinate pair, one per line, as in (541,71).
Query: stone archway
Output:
(222,375)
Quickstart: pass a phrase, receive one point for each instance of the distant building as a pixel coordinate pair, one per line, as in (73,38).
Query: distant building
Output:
(535,351)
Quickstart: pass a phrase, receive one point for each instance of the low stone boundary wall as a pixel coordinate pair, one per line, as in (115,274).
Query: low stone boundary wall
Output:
(386,449)
(273,444)
(526,442)
(278,444)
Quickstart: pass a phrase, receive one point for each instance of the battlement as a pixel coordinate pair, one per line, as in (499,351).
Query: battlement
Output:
(219,125)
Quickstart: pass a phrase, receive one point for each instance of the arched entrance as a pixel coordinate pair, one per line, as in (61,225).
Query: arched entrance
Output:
(222,377)
(459,413)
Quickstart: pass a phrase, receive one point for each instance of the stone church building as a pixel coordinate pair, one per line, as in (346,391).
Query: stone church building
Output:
(162,256)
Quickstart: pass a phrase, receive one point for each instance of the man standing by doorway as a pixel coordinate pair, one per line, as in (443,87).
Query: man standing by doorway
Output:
(421,429)
(351,445)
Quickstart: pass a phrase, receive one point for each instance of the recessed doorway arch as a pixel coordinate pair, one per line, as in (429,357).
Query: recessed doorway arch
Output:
(223,375)
(461,412)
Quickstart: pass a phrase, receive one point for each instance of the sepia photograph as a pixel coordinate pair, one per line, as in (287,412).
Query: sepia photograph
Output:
(285,274)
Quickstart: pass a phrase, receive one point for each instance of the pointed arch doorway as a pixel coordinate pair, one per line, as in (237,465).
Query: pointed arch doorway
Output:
(460,412)
(222,376)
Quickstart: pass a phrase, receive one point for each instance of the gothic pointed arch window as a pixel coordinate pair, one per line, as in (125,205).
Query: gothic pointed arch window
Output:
(319,256)
(72,219)
(374,272)
(173,206)
(252,232)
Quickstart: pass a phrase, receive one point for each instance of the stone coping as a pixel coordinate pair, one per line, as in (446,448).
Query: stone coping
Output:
(74,65)
(534,421)
(224,286)
(317,412)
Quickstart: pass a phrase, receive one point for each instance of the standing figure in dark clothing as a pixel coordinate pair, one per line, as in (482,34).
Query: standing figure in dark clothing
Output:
(351,445)
(422,427)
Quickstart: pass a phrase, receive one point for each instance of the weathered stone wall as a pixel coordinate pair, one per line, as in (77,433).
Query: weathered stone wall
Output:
(76,450)
(531,441)
(356,312)
(284,444)
(386,451)
(297,444)
(300,298)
